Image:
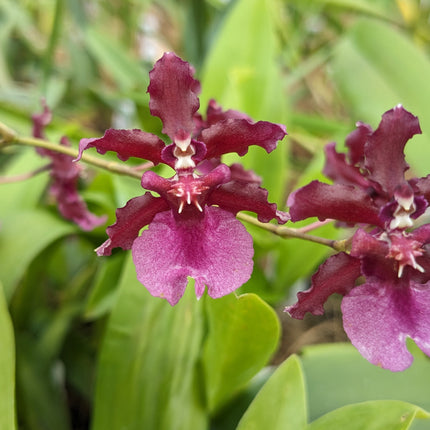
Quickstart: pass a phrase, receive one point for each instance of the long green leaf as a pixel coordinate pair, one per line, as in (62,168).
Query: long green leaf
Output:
(377,67)
(23,236)
(241,72)
(7,368)
(148,372)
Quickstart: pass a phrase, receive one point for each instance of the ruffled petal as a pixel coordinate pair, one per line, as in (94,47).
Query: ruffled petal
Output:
(126,143)
(173,94)
(236,135)
(355,142)
(337,169)
(64,188)
(385,159)
(137,213)
(379,315)
(337,275)
(340,202)
(73,208)
(216,251)
(421,186)
(236,196)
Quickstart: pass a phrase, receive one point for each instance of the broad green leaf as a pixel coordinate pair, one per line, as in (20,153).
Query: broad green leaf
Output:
(244,75)
(243,333)
(24,235)
(337,375)
(148,373)
(377,415)
(7,367)
(281,403)
(376,67)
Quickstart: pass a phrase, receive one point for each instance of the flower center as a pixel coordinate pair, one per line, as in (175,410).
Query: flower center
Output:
(404,249)
(188,190)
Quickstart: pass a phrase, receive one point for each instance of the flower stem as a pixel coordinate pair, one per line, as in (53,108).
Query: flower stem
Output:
(287,232)
(8,136)
(24,176)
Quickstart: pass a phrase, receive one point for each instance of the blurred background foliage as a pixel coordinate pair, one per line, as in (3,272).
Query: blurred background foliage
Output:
(91,345)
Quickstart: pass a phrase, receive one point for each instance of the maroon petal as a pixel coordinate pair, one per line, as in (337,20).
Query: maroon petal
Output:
(379,315)
(64,187)
(336,275)
(236,196)
(341,202)
(173,94)
(126,143)
(341,172)
(366,244)
(214,114)
(421,186)
(236,135)
(385,159)
(355,142)
(137,213)
(72,207)
(238,173)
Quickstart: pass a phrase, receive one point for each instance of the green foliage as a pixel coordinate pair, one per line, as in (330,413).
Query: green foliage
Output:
(83,344)
(397,76)
(243,333)
(148,369)
(7,367)
(281,403)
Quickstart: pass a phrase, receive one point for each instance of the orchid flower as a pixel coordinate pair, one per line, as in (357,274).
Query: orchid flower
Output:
(192,229)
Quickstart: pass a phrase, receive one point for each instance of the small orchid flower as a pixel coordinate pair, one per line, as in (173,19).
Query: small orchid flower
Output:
(64,178)
(192,228)
(370,191)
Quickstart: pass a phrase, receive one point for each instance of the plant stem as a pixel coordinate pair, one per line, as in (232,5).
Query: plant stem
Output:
(287,232)
(24,176)
(8,136)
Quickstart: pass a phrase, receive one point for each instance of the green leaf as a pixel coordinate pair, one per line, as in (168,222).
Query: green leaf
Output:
(24,235)
(244,75)
(148,371)
(40,387)
(281,402)
(337,375)
(104,291)
(243,333)
(23,194)
(392,70)
(377,415)
(7,368)
(112,56)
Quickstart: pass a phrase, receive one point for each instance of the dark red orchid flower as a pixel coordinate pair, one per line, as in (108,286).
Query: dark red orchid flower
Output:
(192,226)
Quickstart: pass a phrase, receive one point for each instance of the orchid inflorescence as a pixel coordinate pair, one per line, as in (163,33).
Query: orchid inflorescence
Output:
(190,227)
